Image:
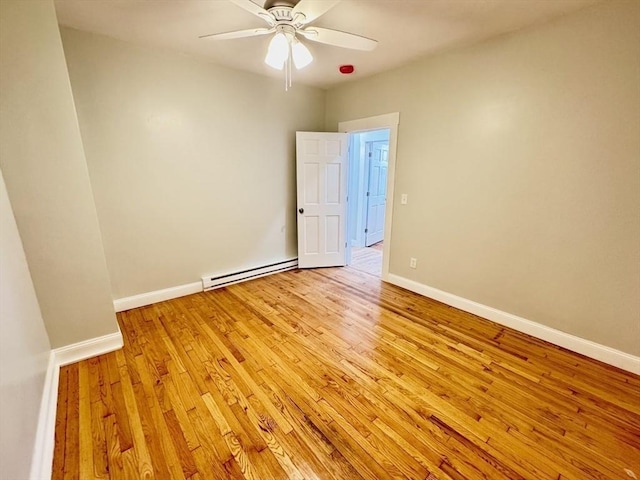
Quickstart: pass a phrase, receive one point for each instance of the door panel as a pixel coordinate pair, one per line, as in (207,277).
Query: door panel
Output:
(311,183)
(322,198)
(312,234)
(332,233)
(378,153)
(333,179)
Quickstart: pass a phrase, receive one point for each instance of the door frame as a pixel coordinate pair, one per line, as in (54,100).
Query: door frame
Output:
(390,121)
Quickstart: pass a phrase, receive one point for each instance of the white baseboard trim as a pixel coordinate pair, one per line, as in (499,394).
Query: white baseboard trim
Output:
(88,349)
(210,282)
(588,348)
(156,296)
(42,461)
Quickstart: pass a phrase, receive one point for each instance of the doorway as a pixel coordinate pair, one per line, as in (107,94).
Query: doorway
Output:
(367,190)
(390,122)
(322,166)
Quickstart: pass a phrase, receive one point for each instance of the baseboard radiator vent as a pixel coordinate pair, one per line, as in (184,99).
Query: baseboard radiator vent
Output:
(212,282)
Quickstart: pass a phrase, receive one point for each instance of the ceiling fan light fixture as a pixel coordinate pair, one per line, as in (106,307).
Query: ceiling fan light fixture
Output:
(301,54)
(278,51)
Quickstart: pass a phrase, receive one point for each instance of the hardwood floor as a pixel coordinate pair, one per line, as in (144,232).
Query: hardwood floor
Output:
(330,374)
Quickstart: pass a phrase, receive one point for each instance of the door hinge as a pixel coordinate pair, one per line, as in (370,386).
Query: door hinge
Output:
(366,230)
(369,154)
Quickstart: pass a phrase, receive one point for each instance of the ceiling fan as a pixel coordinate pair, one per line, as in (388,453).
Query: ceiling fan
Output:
(288,20)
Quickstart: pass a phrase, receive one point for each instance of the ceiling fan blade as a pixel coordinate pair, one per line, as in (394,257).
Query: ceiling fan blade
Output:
(312,9)
(251,32)
(257,10)
(338,38)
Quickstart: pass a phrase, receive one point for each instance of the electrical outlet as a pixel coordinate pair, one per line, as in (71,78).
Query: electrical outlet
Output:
(404,199)
(413,262)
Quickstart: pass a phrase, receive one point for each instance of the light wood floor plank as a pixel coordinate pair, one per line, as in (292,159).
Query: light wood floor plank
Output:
(72,434)
(61,425)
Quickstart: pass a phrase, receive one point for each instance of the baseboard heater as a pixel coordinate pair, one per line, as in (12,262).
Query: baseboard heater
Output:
(212,282)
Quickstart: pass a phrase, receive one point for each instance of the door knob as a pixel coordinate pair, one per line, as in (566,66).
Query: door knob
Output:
(301,210)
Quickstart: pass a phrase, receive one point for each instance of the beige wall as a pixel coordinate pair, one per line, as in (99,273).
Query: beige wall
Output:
(192,164)
(46,175)
(521,158)
(24,350)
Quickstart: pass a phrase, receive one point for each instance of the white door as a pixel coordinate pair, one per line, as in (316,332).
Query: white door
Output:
(378,153)
(322,198)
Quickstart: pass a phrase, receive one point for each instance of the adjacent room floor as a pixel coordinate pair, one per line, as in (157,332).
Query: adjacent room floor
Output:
(331,374)
(367,259)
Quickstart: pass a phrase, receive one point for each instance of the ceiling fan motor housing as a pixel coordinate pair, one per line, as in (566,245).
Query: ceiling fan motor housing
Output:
(269,4)
(284,16)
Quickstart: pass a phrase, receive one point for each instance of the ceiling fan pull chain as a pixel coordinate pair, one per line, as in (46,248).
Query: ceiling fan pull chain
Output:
(286,74)
(287,70)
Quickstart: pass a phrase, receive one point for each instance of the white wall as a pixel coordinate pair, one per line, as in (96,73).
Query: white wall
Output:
(521,158)
(24,350)
(192,164)
(44,168)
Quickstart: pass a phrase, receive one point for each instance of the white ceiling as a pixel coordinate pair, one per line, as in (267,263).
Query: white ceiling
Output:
(405,29)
